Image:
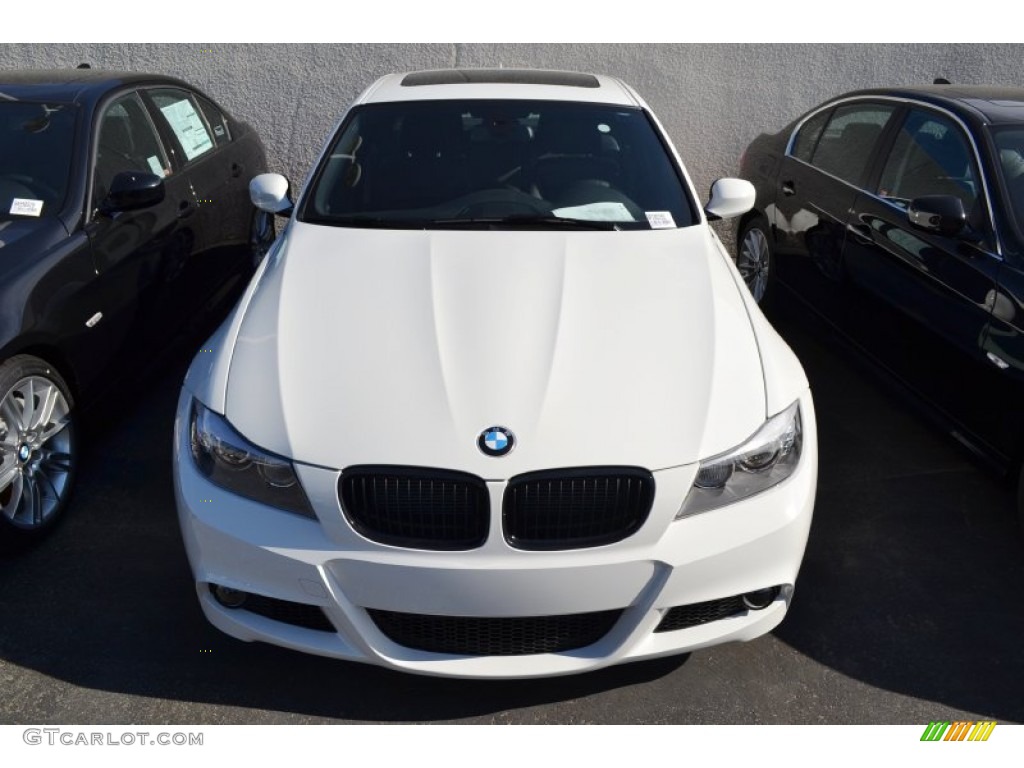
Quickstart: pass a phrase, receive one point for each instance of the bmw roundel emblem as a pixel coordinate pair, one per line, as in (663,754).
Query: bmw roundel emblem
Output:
(496,441)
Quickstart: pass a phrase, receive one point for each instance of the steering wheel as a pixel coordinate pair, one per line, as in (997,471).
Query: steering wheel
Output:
(502,202)
(31,187)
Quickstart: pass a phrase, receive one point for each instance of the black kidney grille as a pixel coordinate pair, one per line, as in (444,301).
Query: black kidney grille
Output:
(503,636)
(683,616)
(576,508)
(416,507)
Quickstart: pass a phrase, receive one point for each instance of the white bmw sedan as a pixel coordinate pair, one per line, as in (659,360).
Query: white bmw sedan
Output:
(497,403)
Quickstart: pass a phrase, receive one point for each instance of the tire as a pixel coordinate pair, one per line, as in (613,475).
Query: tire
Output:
(38,453)
(755,260)
(262,235)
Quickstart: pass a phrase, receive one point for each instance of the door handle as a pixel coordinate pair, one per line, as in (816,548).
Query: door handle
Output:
(236,169)
(788,188)
(862,232)
(186,208)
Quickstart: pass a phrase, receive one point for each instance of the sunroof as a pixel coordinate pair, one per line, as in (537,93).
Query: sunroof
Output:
(514,76)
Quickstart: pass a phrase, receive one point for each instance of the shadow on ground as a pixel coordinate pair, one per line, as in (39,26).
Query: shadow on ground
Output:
(914,572)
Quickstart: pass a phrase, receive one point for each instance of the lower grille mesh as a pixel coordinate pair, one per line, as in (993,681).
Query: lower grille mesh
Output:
(296,614)
(503,636)
(683,616)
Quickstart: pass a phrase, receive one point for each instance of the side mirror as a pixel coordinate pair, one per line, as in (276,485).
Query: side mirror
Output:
(132,190)
(943,214)
(269,192)
(730,198)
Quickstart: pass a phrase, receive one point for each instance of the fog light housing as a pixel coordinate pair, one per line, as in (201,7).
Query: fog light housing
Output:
(228,597)
(760,599)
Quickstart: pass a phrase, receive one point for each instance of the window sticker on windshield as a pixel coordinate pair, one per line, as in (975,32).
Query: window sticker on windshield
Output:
(21,206)
(660,219)
(188,127)
(155,165)
(595,212)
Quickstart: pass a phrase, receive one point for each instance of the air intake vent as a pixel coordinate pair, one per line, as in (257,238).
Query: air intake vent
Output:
(683,616)
(504,636)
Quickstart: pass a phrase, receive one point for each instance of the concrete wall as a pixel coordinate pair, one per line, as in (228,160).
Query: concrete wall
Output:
(712,99)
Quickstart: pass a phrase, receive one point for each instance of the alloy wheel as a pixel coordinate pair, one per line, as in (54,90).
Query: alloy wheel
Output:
(754,262)
(35,451)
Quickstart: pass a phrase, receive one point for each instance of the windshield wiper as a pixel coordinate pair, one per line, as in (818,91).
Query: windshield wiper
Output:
(525,220)
(370,222)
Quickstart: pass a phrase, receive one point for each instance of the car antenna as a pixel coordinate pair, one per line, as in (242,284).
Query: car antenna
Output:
(84,65)
(940,81)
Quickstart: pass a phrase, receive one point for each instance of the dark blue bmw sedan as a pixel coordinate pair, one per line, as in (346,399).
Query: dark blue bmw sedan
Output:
(124,214)
(896,216)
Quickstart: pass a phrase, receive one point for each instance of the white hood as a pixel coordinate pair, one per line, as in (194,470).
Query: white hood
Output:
(366,346)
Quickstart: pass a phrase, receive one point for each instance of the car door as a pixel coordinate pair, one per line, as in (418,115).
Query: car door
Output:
(1002,383)
(829,157)
(134,252)
(924,297)
(204,152)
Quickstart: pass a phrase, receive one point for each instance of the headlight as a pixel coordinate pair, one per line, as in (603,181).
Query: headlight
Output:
(765,460)
(227,459)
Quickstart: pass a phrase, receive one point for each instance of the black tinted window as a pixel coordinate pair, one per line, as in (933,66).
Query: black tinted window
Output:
(35,157)
(807,137)
(428,163)
(127,142)
(1010,143)
(845,146)
(930,156)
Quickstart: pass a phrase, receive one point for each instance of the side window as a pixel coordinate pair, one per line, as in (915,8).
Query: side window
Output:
(929,157)
(185,120)
(1010,143)
(845,146)
(217,121)
(127,142)
(807,137)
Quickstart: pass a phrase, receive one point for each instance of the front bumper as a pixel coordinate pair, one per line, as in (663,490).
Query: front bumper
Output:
(243,545)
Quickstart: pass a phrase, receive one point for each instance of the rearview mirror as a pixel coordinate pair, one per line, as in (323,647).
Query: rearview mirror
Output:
(730,198)
(269,192)
(943,214)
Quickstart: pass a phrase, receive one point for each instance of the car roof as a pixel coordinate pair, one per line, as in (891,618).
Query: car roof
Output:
(991,103)
(72,86)
(538,84)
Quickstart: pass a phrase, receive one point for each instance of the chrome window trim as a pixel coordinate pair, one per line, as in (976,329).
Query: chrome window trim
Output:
(998,253)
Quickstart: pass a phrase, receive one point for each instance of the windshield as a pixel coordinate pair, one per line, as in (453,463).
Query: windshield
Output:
(498,164)
(35,157)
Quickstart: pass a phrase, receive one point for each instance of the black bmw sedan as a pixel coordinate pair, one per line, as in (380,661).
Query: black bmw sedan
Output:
(124,215)
(897,216)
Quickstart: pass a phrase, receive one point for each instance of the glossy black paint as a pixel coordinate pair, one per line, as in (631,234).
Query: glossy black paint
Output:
(151,257)
(938,303)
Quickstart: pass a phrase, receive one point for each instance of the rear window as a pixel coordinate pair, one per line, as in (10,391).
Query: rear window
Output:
(448,164)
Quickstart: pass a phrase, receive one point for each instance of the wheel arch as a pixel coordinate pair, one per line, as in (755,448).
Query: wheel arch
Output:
(52,354)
